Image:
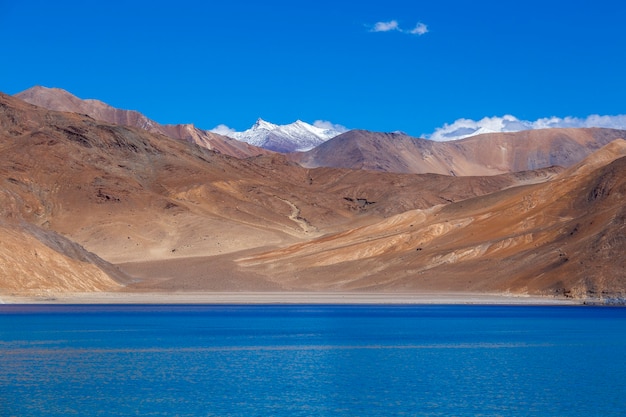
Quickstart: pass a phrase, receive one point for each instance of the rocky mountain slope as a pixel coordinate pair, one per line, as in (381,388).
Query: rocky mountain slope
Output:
(61,100)
(488,154)
(479,155)
(90,206)
(131,196)
(560,237)
(259,139)
(40,261)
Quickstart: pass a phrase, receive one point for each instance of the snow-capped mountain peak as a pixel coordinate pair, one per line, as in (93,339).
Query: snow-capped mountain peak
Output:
(262,124)
(293,137)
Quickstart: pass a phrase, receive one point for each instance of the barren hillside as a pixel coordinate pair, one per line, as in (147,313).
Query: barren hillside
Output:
(60,100)
(480,155)
(561,237)
(129,196)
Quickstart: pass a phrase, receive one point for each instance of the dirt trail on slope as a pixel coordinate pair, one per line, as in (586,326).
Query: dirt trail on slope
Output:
(295,216)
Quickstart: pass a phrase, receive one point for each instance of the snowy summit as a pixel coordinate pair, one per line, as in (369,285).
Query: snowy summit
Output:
(295,137)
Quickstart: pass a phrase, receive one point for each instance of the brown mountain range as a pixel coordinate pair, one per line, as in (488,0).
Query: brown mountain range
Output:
(487,154)
(61,100)
(89,206)
(563,236)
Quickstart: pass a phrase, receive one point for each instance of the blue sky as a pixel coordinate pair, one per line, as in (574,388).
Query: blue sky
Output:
(230,62)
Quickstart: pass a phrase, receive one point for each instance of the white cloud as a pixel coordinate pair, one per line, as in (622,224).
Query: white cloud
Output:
(222,130)
(386,26)
(420,29)
(463,128)
(324,124)
(595,120)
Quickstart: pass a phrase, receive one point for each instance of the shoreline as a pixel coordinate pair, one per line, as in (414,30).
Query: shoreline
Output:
(285,298)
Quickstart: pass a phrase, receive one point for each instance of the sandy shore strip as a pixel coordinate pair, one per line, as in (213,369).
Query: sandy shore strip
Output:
(284,298)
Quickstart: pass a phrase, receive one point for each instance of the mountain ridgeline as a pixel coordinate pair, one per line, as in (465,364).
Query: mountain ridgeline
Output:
(313,147)
(114,202)
(61,100)
(487,154)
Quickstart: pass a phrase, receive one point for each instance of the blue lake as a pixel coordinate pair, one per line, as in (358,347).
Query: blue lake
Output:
(312,360)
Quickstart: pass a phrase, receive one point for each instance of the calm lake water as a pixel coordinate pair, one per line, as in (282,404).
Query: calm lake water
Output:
(312,360)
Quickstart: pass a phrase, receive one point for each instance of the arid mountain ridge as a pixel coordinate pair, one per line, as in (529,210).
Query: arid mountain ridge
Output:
(61,100)
(563,236)
(88,205)
(488,154)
